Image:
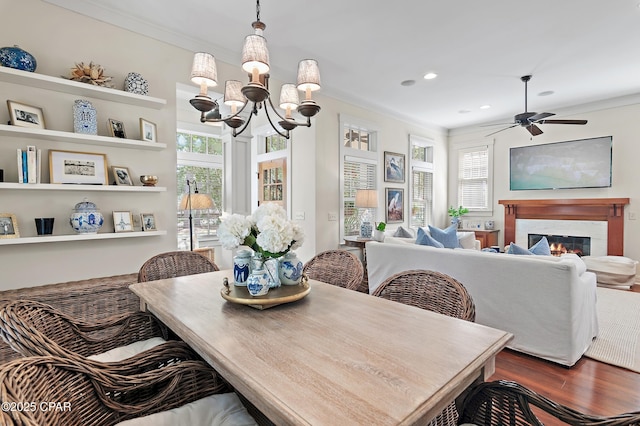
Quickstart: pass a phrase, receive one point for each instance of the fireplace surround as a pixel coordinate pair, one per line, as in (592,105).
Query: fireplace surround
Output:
(610,210)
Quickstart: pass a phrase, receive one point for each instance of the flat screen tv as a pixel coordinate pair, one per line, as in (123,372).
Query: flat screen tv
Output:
(584,163)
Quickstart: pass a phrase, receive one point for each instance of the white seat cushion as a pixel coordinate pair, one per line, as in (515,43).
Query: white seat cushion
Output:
(124,352)
(219,410)
(612,270)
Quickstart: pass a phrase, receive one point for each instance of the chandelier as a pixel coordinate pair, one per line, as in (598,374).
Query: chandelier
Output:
(255,61)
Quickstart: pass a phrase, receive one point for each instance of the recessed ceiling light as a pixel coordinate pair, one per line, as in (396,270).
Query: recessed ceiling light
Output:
(546,93)
(485,106)
(408,83)
(430,76)
(464,111)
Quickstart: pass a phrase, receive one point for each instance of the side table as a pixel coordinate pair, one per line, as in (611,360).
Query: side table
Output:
(359,242)
(487,237)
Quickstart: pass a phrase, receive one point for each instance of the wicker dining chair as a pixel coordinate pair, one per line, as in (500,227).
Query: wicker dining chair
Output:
(62,391)
(433,291)
(33,328)
(175,264)
(337,267)
(505,402)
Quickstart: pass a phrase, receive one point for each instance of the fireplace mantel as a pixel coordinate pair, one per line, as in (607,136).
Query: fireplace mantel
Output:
(604,209)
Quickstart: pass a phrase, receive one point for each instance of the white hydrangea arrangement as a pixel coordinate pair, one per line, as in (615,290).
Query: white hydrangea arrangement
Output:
(267,231)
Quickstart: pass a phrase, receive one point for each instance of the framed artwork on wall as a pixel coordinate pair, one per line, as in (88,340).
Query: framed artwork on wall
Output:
(394,198)
(8,226)
(116,129)
(77,167)
(25,115)
(121,175)
(148,221)
(393,167)
(122,221)
(148,130)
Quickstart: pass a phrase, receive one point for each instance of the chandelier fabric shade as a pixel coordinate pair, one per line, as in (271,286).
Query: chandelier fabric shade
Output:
(255,61)
(204,69)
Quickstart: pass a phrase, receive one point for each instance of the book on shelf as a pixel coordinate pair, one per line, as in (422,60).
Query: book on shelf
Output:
(29,165)
(25,170)
(20,170)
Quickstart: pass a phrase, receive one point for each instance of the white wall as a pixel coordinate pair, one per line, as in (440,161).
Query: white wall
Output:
(604,119)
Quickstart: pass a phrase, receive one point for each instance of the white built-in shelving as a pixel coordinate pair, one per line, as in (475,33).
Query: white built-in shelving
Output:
(79,187)
(79,237)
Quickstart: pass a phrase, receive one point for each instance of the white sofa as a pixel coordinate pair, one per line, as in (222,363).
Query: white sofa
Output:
(547,303)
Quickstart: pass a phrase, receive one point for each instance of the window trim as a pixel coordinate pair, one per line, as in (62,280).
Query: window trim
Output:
(457,150)
(420,166)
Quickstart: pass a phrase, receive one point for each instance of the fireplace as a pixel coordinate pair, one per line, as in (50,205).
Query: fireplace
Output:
(609,211)
(560,244)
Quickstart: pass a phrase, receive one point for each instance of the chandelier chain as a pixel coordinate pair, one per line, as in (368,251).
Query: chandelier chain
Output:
(258,10)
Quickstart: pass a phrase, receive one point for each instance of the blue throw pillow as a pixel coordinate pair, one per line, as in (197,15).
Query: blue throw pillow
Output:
(447,237)
(515,249)
(541,248)
(426,239)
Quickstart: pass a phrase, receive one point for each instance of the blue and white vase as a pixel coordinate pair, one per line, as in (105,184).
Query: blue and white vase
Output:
(86,218)
(290,269)
(258,282)
(270,266)
(241,267)
(85,117)
(14,57)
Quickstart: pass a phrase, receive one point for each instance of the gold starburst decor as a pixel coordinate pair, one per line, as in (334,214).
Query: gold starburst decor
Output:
(91,74)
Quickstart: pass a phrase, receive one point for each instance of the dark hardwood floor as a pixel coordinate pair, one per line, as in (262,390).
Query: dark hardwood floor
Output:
(589,386)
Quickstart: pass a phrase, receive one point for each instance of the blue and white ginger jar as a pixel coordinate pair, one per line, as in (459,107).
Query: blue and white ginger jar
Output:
(241,267)
(290,269)
(14,57)
(86,218)
(258,282)
(85,117)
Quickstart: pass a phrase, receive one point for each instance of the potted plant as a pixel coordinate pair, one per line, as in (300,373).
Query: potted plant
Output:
(378,233)
(456,214)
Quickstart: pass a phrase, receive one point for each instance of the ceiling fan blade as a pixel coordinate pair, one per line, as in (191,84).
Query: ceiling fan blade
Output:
(540,116)
(563,122)
(514,125)
(534,130)
(498,124)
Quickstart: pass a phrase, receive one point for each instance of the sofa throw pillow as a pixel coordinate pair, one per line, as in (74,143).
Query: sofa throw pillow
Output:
(467,240)
(402,233)
(541,248)
(448,237)
(426,240)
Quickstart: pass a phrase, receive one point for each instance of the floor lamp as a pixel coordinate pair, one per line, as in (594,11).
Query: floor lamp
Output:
(195,201)
(367,199)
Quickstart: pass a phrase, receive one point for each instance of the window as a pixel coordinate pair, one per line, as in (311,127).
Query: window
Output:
(474,177)
(199,157)
(358,165)
(421,181)
(275,142)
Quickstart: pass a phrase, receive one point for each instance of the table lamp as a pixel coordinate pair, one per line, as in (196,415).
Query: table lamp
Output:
(195,201)
(367,199)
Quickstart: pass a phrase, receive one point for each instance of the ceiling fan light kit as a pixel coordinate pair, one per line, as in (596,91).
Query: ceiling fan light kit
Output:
(255,62)
(529,120)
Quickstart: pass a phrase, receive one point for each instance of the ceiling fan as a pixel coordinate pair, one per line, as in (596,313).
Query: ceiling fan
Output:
(529,120)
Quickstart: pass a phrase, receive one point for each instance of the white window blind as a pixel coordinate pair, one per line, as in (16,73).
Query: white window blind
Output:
(421,198)
(358,174)
(473,178)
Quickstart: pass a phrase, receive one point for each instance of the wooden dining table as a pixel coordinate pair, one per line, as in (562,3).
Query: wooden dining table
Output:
(335,356)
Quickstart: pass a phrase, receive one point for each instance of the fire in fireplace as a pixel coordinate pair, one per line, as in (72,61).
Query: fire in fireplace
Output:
(560,244)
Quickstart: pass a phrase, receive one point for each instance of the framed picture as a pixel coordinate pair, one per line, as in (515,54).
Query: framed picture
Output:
(393,167)
(25,115)
(116,129)
(121,175)
(77,167)
(148,221)
(148,131)
(8,226)
(395,205)
(122,222)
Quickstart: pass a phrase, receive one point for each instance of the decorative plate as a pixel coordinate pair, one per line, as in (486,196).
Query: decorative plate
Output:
(85,118)
(275,296)
(135,83)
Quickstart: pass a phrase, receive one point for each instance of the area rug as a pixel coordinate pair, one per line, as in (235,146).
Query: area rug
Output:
(618,342)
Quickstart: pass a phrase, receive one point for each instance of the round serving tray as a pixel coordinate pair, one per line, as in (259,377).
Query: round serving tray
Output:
(276,296)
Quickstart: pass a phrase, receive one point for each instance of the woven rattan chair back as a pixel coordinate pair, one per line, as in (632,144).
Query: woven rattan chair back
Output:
(84,396)
(430,290)
(175,264)
(508,403)
(35,328)
(337,267)
(433,291)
